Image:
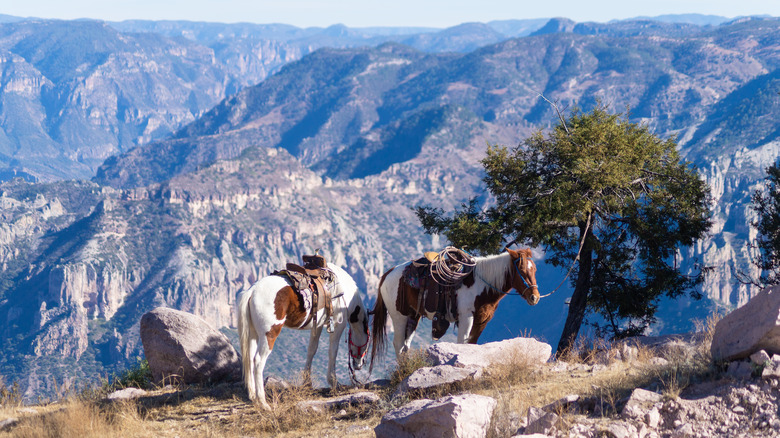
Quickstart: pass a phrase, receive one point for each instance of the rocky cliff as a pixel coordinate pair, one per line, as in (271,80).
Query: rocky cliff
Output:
(191,243)
(76,92)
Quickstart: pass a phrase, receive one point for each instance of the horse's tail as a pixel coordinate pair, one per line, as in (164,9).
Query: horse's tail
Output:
(245,330)
(378,323)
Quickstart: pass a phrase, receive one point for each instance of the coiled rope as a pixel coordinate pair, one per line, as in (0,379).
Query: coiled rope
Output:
(451,266)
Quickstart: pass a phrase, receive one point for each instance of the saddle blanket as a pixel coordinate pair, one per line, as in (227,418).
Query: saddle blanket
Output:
(307,301)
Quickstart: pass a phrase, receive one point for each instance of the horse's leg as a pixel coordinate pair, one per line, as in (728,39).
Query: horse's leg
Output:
(477,323)
(264,351)
(333,351)
(402,340)
(250,381)
(475,332)
(411,328)
(465,328)
(314,343)
(265,343)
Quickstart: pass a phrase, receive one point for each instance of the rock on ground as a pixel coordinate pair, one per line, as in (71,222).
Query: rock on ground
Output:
(640,402)
(460,416)
(750,328)
(8,423)
(183,346)
(480,356)
(359,398)
(126,394)
(429,377)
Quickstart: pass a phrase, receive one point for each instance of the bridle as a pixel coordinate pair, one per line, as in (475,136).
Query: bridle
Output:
(362,349)
(528,286)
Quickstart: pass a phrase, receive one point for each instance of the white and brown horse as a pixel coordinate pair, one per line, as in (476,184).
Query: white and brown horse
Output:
(271,303)
(493,278)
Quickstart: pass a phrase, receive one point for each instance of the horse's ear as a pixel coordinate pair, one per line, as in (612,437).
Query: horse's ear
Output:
(512,252)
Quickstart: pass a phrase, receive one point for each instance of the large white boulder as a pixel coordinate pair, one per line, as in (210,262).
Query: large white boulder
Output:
(750,328)
(459,416)
(526,350)
(183,347)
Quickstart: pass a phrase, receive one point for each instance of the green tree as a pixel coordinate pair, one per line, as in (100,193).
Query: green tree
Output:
(766,204)
(609,201)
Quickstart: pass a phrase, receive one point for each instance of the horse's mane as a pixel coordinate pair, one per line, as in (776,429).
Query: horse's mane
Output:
(492,268)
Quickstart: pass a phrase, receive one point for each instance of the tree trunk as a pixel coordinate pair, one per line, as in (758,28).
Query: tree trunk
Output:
(579,299)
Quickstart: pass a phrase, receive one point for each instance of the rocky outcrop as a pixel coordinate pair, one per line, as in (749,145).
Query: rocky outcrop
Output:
(182,347)
(723,407)
(753,327)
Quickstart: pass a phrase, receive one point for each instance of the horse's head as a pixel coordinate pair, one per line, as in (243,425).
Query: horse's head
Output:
(524,275)
(357,316)
(358,334)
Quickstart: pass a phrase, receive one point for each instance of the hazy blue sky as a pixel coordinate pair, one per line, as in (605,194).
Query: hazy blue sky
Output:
(360,13)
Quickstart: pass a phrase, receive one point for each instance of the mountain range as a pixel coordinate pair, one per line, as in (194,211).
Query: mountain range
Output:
(210,171)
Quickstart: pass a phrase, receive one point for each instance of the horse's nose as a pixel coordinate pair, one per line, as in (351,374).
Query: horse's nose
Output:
(534,299)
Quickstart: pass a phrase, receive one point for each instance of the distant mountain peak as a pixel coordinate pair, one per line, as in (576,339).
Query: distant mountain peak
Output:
(339,30)
(556,25)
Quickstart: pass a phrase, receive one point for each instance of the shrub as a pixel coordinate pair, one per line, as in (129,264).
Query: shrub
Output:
(10,396)
(137,376)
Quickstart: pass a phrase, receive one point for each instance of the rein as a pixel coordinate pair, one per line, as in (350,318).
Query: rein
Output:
(579,251)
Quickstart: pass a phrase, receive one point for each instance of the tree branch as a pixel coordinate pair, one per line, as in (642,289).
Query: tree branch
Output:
(557,110)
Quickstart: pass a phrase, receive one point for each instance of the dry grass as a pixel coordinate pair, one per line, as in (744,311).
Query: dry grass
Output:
(194,412)
(408,363)
(77,418)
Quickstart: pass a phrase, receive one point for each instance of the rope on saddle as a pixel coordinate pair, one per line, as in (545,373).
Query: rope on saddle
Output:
(452,266)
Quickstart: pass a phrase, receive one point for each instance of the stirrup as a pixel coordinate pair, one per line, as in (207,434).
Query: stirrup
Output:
(329,325)
(439,326)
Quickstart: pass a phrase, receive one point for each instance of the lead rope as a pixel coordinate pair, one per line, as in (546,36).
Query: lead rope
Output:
(579,251)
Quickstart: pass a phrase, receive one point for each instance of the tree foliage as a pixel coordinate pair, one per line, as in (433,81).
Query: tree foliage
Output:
(601,195)
(766,204)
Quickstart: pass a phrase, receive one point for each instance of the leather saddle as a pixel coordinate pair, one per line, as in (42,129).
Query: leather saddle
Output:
(432,296)
(314,277)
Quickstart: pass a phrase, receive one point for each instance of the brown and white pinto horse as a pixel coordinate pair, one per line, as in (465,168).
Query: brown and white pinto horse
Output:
(271,303)
(493,277)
